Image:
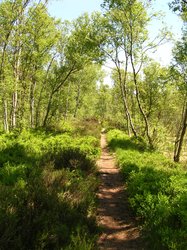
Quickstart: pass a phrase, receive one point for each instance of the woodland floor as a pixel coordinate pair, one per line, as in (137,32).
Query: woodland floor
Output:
(119,227)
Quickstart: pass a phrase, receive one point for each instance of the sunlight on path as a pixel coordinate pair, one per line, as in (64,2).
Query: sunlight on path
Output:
(114,215)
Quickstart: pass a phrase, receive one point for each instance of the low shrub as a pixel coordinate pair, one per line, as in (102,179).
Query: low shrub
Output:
(157,190)
(118,139)
(87,127)
(47,191)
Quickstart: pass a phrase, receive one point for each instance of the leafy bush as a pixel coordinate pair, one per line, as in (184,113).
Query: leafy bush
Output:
(118,139)
(47,190)
(157,191)
(87,127)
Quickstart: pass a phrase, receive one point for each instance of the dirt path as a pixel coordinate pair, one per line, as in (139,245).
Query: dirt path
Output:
(119,227)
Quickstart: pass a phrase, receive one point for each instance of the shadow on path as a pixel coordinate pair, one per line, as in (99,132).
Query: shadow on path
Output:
(119,227)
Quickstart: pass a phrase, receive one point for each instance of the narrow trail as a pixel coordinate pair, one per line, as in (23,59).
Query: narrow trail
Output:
(120,231)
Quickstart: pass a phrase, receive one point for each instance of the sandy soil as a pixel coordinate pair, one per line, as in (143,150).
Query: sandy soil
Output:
(120,230)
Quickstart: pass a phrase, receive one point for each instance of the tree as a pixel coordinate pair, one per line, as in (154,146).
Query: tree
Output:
(179,6)
(180,56)
(102,103)
(180,65)
(160,98)
(42,37)
(28,36)
(80,49)
(38,57)
(127,48)
(11,13)
(78,96)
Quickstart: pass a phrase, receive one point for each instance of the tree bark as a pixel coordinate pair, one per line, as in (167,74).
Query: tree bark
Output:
(15,93)
(137,89)
(140,106)
(67,102)
(126,109)
(2,78)
(5,107)
(32,102)
(77,100)
(37,121)
(124,97)
(55,90)
(14,109)
(48,109)
(181,133)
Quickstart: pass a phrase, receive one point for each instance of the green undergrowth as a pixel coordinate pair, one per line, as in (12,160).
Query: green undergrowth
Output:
(85,127)
(48,183)
(157,190)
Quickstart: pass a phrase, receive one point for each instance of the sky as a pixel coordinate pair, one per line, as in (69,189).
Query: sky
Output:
(71,9)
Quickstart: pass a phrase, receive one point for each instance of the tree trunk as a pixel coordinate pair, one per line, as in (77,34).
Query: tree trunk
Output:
(37,116)
(48,109)
(21,111)
(124,98)
(77,100)
(2,77)
(181,133)
(67,102)
(55,90)
(32,102)
(141,110)
(5,107)
(15,93)
(126,109)
(14,109)
(138,98)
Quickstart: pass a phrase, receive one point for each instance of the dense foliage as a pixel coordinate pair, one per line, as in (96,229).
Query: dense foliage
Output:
(52,70)
(48,184)
(157,190)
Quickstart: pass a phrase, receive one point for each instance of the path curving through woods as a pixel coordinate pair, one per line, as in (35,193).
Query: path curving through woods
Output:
(119,228)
